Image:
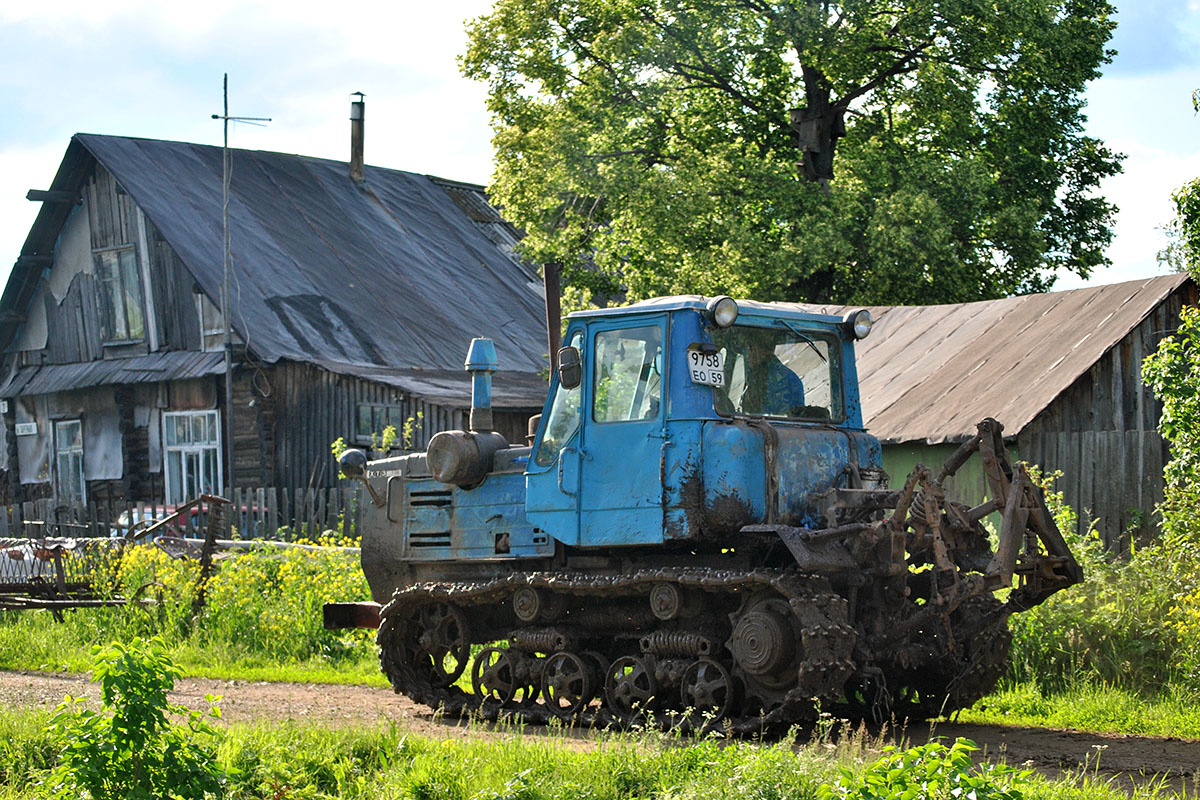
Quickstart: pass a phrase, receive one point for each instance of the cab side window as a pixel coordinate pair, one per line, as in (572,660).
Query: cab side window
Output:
(627,374)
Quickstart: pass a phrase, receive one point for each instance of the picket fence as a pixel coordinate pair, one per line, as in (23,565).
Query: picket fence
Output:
(264,513)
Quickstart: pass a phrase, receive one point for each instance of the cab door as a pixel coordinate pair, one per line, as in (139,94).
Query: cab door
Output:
(624,434)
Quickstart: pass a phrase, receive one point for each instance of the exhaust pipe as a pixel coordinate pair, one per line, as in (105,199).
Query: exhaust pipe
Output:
(465,458)
(481,363)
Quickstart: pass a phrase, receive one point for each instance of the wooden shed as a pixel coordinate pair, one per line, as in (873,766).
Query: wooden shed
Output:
(1061,371)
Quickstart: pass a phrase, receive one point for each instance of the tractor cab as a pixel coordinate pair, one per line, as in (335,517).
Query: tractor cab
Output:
(686,418)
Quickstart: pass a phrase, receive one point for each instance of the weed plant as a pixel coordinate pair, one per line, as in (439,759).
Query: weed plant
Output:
(1118,628)
(1119,652)
(132,749)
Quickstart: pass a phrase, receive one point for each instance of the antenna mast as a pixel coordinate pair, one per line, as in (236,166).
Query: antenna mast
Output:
(226,305)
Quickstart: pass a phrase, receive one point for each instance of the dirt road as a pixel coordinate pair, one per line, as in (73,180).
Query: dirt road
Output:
(1128,759)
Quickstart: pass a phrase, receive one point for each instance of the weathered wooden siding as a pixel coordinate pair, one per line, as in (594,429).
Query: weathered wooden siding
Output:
(112,214)
(1102,434)
(312,407)
(73,325)
(514,425)
(253,430)
(176,316)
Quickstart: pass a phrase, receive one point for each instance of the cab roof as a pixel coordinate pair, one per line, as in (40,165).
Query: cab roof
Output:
(696,302)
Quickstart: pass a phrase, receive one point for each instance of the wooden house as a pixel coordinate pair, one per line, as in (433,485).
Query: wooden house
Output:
(1061,371)
(353,299)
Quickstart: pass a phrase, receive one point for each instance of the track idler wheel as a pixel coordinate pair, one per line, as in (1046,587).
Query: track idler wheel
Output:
(567,684)
(630,689)
(707,693)
(764,645)
(497,675)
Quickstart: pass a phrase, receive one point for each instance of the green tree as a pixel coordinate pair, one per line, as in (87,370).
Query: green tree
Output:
(648,145)
(1183,232)
(1173,372)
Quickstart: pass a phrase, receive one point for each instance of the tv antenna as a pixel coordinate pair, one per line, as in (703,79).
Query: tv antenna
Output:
(227,163)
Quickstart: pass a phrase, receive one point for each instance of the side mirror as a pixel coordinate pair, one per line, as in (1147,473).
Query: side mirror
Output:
(353,464)
(570,368)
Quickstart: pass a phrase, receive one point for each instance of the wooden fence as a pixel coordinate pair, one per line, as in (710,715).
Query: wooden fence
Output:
(267,513)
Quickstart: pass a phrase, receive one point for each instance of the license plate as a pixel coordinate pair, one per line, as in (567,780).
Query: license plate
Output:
(707,368)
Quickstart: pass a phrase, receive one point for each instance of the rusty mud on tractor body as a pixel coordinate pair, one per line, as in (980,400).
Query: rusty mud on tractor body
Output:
(701,534)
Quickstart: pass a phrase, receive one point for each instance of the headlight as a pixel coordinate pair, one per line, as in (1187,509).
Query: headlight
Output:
(723,311)
(858,323)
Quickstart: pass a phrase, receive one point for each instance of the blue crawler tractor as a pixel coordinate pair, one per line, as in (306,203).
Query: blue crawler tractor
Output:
(700,532)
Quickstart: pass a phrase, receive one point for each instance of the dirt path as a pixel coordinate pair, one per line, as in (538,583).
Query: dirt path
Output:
(1129,760)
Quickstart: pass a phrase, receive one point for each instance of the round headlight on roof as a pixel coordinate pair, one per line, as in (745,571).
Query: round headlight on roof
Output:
(858,323)
(723,311)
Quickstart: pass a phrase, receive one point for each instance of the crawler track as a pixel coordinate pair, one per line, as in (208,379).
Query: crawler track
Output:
(744,650)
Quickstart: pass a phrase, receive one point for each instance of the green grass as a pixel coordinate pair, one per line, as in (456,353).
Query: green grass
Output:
(1094,707)
(295,762)
(33,640)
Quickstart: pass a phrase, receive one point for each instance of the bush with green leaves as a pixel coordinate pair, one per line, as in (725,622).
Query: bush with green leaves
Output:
(133,749)
(1173,372)
(1113,629)
(929,772)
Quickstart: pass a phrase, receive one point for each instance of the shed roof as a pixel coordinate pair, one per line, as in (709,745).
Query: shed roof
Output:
(930,373)
(397,273)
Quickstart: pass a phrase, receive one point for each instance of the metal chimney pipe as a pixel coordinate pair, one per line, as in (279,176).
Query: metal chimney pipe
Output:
(358,114)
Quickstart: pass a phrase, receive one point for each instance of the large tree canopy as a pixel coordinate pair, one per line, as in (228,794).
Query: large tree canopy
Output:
(937,152)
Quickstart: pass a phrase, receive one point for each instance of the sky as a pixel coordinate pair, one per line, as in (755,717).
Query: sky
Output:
(154,69)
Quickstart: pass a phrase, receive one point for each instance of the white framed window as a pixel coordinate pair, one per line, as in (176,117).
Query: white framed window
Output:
(191,454)
(68,461)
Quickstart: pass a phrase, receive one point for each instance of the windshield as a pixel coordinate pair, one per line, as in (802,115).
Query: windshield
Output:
(778,372)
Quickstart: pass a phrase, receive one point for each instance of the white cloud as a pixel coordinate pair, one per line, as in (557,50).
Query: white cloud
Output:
(153,69)
(1143,196)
